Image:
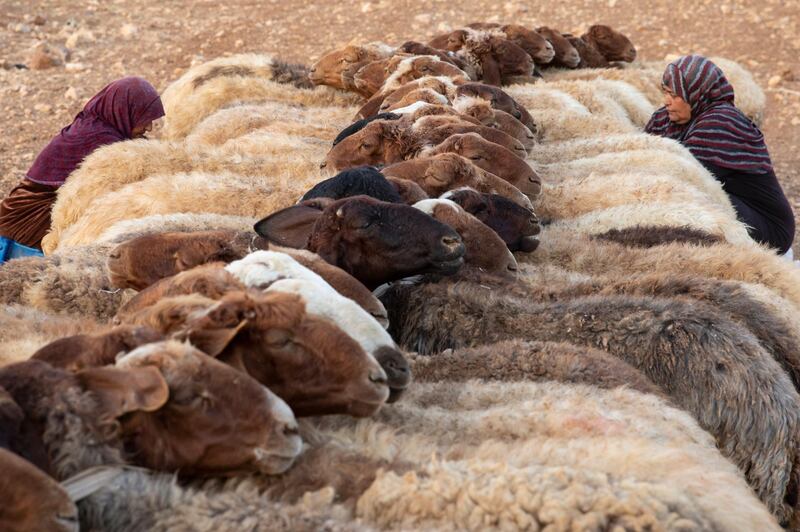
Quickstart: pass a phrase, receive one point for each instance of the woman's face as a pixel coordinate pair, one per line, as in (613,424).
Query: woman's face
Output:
(139,131)
(678,109)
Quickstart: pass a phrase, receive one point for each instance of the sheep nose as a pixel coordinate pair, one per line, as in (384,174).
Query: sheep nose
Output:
(323,164)
(114,255)
(512,267)
(451,242)
(290,429)
(378,376)
(517,114)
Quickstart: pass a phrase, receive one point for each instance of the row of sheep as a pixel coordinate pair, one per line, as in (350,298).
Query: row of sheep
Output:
(617,444)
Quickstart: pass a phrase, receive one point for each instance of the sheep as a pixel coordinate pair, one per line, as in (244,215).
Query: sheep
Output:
(178,222)
(111,167)
(536,46)
(376,80)
(306,360)
(203,89)
(361,234)
(494,58)
(673,342)
(32,500)
(238,120)
(648,160)
(646,236)
(572,198)
(354,181)
(162,194)
(482,111)
(417,48)
(446,171)
(584,148)
(617,434)
(601,45)
(589,54)
(152,381)
(515,360)
(704,217)
(499,100)
(647,81)
(565,55)
(516,225)
(336,68)
(436,129)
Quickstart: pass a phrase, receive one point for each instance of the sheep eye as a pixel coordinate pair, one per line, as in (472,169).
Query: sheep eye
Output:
(366,146)
(277,338)
(476,157)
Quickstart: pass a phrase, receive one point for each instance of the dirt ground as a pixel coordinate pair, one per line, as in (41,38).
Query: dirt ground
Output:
(97,41)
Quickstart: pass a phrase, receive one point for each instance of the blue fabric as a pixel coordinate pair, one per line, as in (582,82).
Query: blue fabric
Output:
(10,249)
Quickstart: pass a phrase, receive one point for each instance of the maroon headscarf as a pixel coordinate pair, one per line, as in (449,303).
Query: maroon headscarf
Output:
(109,117)
(718,133)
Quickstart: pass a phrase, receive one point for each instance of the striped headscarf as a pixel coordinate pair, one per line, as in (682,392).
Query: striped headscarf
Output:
(718,133)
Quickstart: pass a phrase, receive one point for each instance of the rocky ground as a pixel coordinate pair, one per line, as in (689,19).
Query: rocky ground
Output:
(78,46)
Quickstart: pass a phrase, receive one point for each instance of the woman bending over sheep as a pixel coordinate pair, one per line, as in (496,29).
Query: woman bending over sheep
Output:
(699,113)
(124,109)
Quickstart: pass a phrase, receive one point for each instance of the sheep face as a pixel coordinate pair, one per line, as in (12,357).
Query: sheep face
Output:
(306,360)
(516,225)
(74,353)
(369,78)
(379,142)
(534,44)
(418,95)
(330,69)
(374,241)
(492,158)
(140,262)
(448,171)
(485,250)
(590,56)
(435,129)
(452,41)
(408,190)
(358,125)
(613,45)
(217,420)
(511,58)
(32,500)
(10,419)
(499,99)
(510,125)
(565,54)
(417,48)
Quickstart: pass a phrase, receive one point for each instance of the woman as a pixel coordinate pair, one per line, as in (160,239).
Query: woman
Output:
(123,110)
(699,113)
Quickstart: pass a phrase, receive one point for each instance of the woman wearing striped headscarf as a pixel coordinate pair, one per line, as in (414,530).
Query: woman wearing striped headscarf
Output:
(699,113)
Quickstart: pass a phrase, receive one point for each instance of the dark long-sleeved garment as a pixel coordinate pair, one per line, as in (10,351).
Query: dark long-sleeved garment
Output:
(760,203)
(25,213)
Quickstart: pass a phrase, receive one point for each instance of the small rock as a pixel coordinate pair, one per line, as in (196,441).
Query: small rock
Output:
(43,108)
(796,121)
(81,35)
(39,20)
(40,60)
(612,3)
(774,81)
(22,28)
(366,7)
(128,30)
(71,94)
(423,18)
(238,43)
(74,67)
(725,8)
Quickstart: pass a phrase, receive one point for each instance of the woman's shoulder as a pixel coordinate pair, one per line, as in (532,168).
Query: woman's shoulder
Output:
(726,117)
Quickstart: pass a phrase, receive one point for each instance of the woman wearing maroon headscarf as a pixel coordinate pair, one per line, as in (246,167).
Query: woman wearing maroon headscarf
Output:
(123,110)
(699,113)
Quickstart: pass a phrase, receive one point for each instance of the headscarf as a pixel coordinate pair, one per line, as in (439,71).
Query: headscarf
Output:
(110,116)
(717,133)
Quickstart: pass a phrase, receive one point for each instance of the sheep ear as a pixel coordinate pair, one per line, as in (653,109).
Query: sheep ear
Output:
(213,341)
(372,106)
(290,227)
(126,390)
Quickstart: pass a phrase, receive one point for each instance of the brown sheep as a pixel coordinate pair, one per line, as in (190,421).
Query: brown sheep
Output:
(362,236)
(499,99)
(565,54)
(410,192)
(32,500)
(386,142)
(307,361)
(613,45)
(418,95)
(74,353)
(417,48)
(492,158)
(447,171)
(337,68)
(435,129)
(590,56)
(381,77)
(172,407)
(516,360)
(540,50)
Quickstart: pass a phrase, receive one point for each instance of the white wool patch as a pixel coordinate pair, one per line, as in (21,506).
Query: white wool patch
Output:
(463,103)
(141,353)
(428,205)
(323,301)
(262,268)
(413,108)
(402,68)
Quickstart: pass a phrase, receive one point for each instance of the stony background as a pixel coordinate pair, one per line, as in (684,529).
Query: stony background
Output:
(78,46)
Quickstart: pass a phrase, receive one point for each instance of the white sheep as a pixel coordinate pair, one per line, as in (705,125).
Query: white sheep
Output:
(581,148)
(204,89)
